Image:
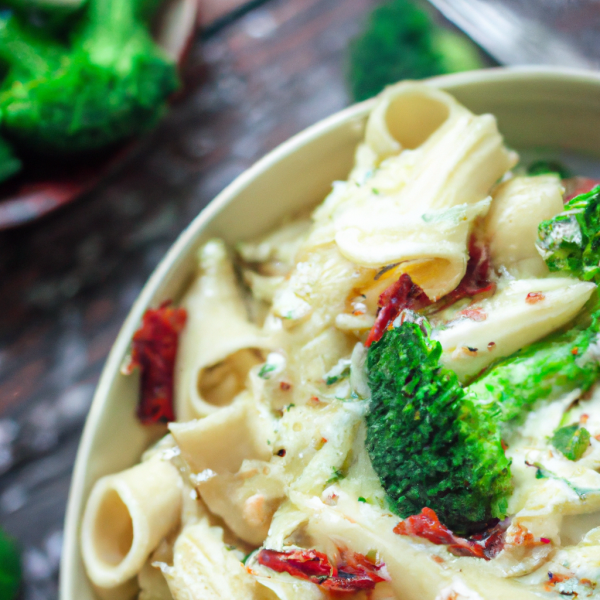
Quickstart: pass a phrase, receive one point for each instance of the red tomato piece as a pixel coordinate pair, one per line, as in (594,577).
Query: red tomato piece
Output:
(574,186)
(403,294)
(354,573)
(426,525)
(475,280)
(154,348)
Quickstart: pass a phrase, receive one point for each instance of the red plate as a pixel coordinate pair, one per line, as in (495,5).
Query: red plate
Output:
(32,195)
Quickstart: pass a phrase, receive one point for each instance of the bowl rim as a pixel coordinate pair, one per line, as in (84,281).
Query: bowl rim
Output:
(187,239)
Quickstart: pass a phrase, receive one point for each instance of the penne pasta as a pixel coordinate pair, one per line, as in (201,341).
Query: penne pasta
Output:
(204,568)
(519,205)
(521,313)
(207,443)
(419,205)
(219,345)
(126,517)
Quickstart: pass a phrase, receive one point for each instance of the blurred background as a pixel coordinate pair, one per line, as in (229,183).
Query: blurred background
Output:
(78,238)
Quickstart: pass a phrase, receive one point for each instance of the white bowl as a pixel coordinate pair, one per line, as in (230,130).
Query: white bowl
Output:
(536,107)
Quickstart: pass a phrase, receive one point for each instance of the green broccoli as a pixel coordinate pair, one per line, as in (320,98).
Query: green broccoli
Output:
(570,241)
(572,441)
(109,83)
(437,445)
(9,163)
(402,42)
(430,444)
(10,568)
(544,370)
(542,167)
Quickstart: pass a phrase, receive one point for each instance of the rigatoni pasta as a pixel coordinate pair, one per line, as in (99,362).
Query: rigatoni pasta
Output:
(393,399)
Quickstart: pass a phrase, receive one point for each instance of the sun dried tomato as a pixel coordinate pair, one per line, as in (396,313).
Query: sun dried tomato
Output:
(574,186)
(354,573)
(403,294)
(475,280)
(154,348)
(426,525)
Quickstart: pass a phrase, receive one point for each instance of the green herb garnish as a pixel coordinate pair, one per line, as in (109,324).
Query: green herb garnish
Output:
(572,441)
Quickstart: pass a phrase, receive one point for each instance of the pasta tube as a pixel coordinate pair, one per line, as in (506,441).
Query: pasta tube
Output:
(126,517)
(218,345)
(523,312)
(203,568)
(418,207)
(519,205)
(223,440)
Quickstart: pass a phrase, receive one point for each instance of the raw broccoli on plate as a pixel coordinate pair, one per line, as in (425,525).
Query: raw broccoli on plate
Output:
(107,83)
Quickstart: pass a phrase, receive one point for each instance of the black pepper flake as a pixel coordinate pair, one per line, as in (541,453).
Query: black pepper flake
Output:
(281,452)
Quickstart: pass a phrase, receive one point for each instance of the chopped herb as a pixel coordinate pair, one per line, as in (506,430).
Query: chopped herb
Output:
(340,371)
(543,473)
(265,370)
(572,441)
(375,191)
(287,408)
(274,365)
(361,499)
(337,475)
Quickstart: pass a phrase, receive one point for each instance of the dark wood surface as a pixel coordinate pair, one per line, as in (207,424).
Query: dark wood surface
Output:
(68,281)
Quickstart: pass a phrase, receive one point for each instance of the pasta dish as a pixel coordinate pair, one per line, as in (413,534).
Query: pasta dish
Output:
(393,397)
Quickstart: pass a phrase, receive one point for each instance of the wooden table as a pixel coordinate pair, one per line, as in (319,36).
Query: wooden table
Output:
(69,281)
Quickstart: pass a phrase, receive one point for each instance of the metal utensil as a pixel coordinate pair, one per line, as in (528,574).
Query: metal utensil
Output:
(543,32)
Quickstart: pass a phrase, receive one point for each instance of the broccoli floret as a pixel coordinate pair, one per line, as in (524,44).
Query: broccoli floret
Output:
(572,441)
(543,167)
(9,163)
(402,42)
(10,568)
(570,241)
(434,444)
(545,370)
(429,443)
(109,83)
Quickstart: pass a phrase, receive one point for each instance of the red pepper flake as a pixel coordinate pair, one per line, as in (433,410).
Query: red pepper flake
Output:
(553,579)
(323,440)
(504,445)
(575,351)
(285,386)
(314,400)
(154,348)
(475,314)
(401,295)
(426,525)
(583,419)
(281,452)
(355,572)
(545,540)
(534,297)
(491,345)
